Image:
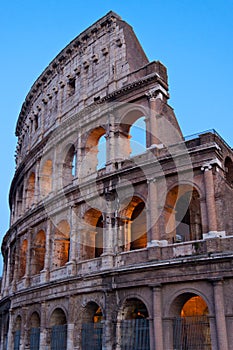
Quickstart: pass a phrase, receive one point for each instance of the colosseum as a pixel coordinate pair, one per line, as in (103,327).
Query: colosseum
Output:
(121,228)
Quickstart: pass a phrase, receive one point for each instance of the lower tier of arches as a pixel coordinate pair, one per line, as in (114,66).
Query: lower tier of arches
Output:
(185,315)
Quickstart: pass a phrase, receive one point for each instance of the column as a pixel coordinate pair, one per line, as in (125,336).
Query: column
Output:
(8,271)
(152,213)
(37,183)
(108,232)
(25,331)
(153,127)
(16,265)
(48,254)
(70,323)
(220,315)
(168,333)
(157,315)
(10,341)
(28,259)
(108,324)
(110,144)
(70,336)
(210,199)
(71,265)
(43,327)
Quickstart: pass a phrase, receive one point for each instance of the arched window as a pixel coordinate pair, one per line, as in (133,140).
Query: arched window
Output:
(138,137)
(92,238)
(131,138)
(132,225)
(61,244)
(58,327)
(101,156)
(133,333)
(23,258)
(20,201)
(92,328)
(192,319)
(46,178)
(183,214)
(94,152)
(38,254)
(229,170)
(34,331)
(30,191)
(12,262)
(69,166)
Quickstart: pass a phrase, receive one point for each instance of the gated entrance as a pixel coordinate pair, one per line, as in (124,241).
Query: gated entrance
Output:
(191,333)
(133,331)
(17,340)
(92,327)
(35,339)
(92,336)
(59,337)
(135,334)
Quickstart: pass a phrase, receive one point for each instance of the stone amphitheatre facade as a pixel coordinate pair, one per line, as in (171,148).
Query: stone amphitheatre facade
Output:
(130,251)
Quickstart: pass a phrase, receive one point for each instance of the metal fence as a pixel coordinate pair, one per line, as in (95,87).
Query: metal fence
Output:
(135,334)
(92,334)
(59,337)
(191,333)
(17,340)
(35,339)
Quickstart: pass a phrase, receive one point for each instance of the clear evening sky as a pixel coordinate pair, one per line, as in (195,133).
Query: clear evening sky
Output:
(194,39)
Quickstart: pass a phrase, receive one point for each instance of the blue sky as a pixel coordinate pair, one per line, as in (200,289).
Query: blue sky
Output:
(194,39)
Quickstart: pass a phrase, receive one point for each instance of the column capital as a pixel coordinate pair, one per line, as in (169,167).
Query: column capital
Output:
(157,92)
(208,165)
(156,287)
(216,281)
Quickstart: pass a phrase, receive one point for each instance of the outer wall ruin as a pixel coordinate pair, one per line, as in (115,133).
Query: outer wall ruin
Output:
(131,251)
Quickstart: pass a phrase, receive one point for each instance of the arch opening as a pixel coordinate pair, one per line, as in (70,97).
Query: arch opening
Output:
(69,166)
(92,238)
(61,244)
(92,327)
(133,330)
(183,214)
(133,225)
(228,164)
(58,325)
(38,253)
(132,137)
(17,332)
(23,258)
(95,152)
(34,331)
(46,178)
(138,137)
(30,191)
(191,327)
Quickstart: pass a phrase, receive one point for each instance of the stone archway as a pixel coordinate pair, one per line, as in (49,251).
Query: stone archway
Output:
(132,224)
(34,331)
(92,236)
(133,326)
(183,214)
(92,327)
(61,244)
(58,326)
(191,327)
(38,255)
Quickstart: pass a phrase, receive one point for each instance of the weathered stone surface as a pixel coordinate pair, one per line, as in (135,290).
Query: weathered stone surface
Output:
(126,237)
